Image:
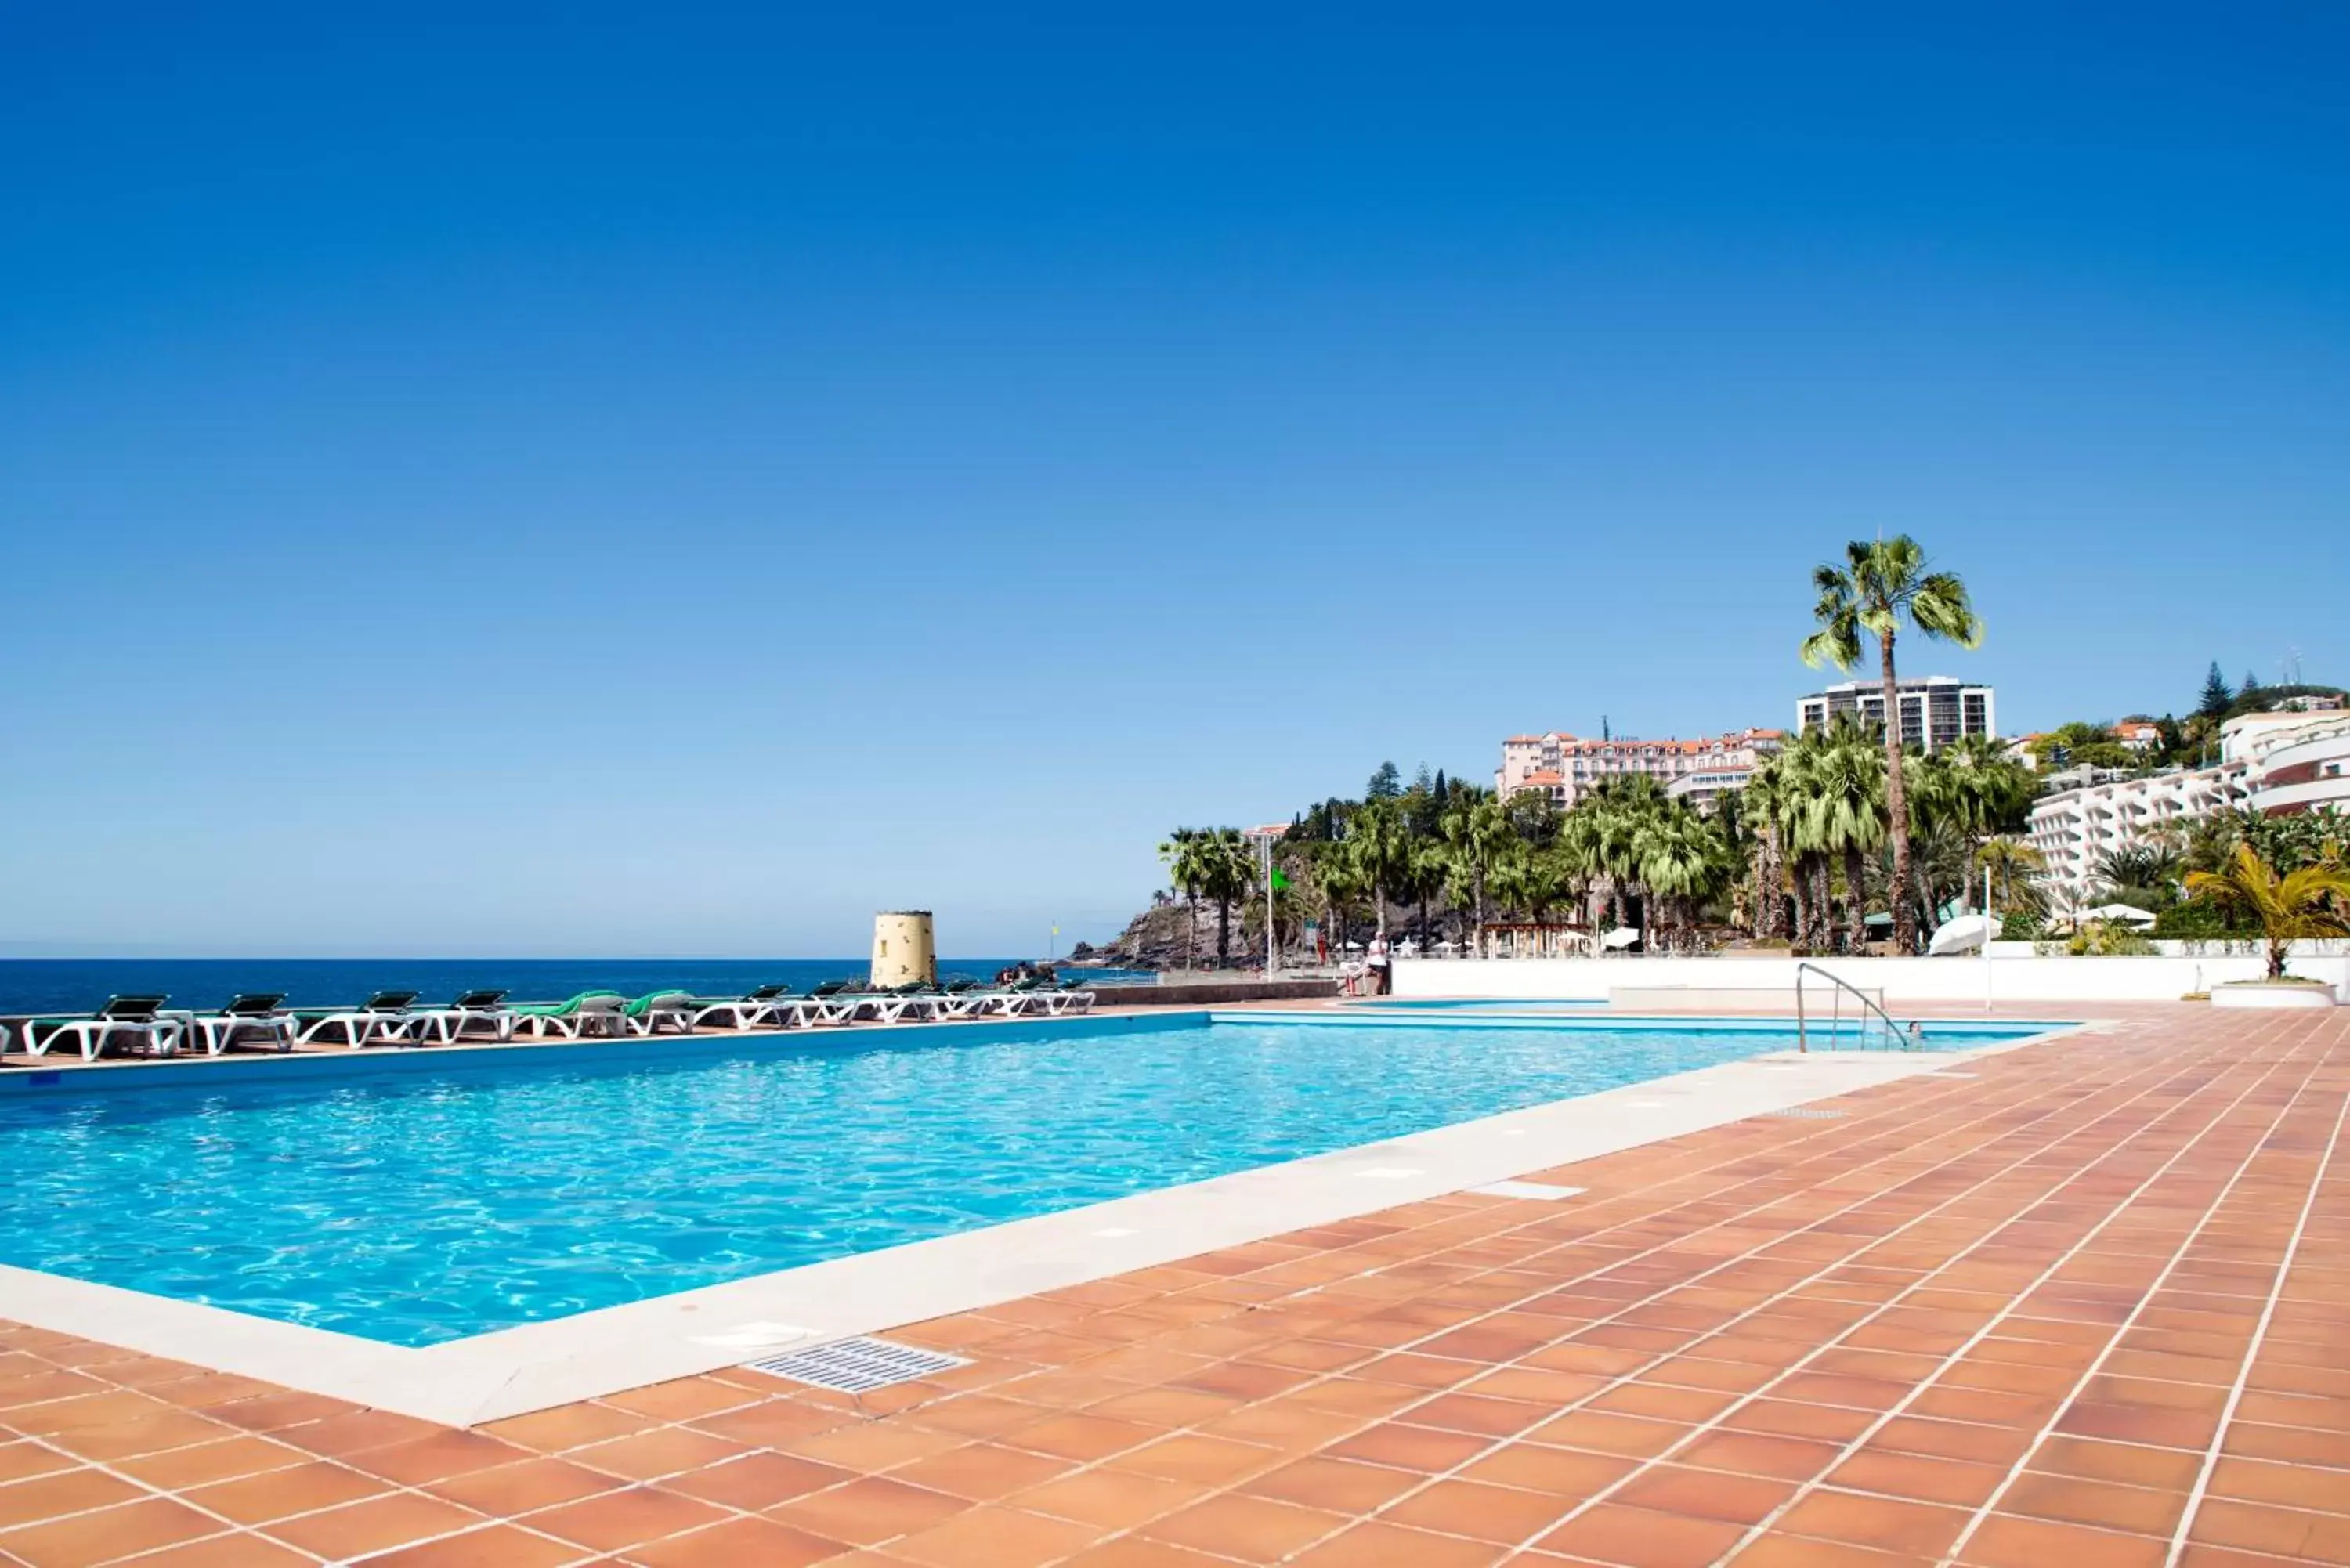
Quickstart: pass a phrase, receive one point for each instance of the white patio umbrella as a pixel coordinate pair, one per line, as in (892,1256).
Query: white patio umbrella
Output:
(1621,937)
(1964,935)
(2123,912)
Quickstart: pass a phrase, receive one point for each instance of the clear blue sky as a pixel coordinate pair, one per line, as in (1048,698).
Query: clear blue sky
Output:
(584,479)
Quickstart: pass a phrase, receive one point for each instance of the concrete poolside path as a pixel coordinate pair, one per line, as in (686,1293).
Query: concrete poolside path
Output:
(2086,1306)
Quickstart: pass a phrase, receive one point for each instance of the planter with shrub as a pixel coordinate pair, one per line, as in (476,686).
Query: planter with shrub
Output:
(2291,991)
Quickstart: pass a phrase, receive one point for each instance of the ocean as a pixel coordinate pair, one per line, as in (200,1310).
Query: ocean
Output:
(77,985)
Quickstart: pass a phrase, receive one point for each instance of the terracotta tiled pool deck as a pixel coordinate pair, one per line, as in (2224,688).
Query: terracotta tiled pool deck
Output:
(2089,1307)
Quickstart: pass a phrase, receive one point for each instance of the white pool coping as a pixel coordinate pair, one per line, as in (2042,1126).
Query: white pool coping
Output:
(512,1371)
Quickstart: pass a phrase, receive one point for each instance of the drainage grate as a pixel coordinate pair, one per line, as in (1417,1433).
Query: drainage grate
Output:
(857,1366)
(1541,1191)
(1799,1113)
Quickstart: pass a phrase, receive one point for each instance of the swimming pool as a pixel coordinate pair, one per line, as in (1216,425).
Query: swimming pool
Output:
(419,1199)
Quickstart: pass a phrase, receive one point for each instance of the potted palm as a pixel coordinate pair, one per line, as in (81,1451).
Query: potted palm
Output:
(2308,903)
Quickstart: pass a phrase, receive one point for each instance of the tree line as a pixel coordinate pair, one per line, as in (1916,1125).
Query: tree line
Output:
(1840,824)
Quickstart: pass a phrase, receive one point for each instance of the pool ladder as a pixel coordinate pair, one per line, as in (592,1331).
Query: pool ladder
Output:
(1898,1038)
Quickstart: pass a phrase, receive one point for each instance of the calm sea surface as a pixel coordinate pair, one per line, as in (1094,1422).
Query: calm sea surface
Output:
(77,985)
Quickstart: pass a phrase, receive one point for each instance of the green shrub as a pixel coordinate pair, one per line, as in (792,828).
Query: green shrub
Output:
(2019,928)
(2200,923)
(2108,938)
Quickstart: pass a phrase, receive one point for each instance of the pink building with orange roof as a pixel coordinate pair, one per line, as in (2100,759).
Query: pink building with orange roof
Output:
(1567,768)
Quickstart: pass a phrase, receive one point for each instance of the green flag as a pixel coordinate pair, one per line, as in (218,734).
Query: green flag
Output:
(1280,882)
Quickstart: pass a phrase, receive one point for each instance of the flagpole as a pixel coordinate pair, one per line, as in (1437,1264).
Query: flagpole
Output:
(1272,939)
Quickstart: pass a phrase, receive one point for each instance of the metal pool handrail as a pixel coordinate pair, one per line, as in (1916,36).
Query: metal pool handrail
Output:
(1841,985)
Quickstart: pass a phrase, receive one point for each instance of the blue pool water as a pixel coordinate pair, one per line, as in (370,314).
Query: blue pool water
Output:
(424,1205)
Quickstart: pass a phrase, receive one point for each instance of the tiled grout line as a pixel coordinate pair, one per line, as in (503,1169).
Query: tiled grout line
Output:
(1876,1313)
(1807,1489)
(2260,1334)
(1716,1422)
(1848,1152)
(1661,1357)
(1831,1267)
(180,1495)
(232,1528)
(1425,1526)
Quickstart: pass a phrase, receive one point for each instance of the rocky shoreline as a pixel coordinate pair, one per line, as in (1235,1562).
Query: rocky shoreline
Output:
(1156,940)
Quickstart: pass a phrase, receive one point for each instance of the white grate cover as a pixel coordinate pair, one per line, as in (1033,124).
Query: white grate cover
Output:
(857,1366)
(1799,1113)
(1541,1191)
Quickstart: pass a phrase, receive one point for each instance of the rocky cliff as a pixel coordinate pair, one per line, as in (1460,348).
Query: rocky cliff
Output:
(1154,938)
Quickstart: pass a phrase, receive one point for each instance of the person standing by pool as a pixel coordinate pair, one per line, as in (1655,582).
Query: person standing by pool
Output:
(1382,971)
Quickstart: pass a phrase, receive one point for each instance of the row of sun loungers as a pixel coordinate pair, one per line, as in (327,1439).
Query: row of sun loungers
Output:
(143,1026)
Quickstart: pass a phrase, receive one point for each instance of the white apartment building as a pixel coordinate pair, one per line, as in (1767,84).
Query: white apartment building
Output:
(2091,812)
(2294,761)
(1567,768)
(2272,763)
(1935,711)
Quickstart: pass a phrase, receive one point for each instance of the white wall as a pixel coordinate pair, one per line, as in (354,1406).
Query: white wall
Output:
(2172,946)
(2010,979)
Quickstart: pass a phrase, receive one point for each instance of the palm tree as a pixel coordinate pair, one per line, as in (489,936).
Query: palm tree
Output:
(2144,869)
(1228,872)
(1884,582)
(1624,806)
(1798,852)
(1379,841)
(1972,789)
(1847,802)
(1340,884)
(1476,834)
(1765,797)
(1186,868)
(1683,862)
(1577,851)
(1289,900)
(2311,902)
(1423,880)
(2005,855)
(1509,880)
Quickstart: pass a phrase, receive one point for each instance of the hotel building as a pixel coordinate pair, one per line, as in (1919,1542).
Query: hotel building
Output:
(2276,763)
(1935,711)
(1567,768)
(2089,813)
(2292,760)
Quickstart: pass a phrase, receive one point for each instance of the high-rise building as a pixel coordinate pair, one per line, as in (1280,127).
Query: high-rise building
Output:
(1935,711)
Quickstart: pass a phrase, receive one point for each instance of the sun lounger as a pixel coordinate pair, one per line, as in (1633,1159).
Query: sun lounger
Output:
(140,1017)
(481,1014)
(1036,998)
(768,1005)
(1020,998)
(807,1012)
(958,997)
(384,1017)
(590,1012)
(669,1010)
(248,1013)
(897,1004)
